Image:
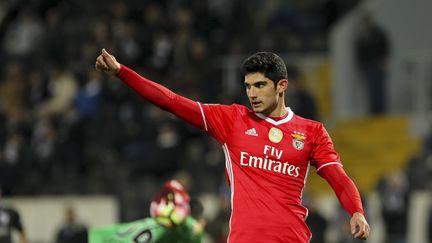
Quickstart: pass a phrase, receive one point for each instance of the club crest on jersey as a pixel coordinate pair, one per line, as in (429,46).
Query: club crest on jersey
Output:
(275,135)
(297,141)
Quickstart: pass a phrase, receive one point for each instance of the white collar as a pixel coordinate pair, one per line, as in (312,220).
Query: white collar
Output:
(270,120)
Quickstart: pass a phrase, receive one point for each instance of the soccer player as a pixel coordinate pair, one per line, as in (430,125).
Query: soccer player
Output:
(10,220)
(268,151)
(171,221)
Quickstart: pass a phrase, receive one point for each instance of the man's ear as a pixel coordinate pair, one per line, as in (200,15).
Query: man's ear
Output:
(282,85)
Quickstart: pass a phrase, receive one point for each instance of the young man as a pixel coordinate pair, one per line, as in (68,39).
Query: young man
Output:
(268,151)
(171,221)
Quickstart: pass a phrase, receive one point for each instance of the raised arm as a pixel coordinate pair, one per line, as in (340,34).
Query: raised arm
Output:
(349,197)
(186,109)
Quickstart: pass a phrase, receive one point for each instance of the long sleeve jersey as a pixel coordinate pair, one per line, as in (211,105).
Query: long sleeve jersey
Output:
(267,162)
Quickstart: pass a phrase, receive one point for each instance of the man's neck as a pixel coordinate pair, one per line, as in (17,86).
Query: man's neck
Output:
(279,111)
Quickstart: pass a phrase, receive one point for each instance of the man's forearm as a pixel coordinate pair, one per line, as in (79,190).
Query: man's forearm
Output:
(344,187)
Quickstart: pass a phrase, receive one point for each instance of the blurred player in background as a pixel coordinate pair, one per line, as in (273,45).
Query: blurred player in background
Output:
(268,151)
(71,231)
(10,220)
(172,221)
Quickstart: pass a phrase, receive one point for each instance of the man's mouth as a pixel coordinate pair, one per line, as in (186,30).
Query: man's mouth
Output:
(255,104)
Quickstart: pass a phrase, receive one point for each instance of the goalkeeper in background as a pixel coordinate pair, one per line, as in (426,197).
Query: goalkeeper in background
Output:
(172,221)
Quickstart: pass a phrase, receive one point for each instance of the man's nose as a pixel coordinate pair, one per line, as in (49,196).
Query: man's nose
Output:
(251,93)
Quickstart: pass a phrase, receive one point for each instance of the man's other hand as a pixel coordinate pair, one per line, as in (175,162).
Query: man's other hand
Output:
(359,226)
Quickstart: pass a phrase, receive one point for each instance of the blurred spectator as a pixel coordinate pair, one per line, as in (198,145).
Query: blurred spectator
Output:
(13,149)
(24,35)
(54,36)
(62,88)
(89,96)
(219,227)
(418,173)
(316,222)
(372,49)
(299,99)
(37,88)
(13,158)
(162,51)
(344,227)
(129,48)
(10,220)
(394,206)
(44,143)
(13,89)
(71,231)
(419,167)
(345,231)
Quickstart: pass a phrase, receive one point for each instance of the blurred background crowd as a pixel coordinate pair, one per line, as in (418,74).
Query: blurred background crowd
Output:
(68,129)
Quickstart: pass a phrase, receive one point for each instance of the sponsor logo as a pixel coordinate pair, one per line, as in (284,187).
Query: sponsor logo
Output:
(251,132)
(269,164)
(297,141)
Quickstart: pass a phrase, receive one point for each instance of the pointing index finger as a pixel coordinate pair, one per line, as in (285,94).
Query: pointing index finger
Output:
(105,53)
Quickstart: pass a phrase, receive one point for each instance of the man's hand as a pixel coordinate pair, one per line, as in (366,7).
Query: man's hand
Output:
(359,226)
(107,63)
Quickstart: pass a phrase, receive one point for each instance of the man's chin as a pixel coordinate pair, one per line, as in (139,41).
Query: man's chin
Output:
(258,109)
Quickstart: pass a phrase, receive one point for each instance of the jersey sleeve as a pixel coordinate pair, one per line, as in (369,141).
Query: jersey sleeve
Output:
(323,153)
(344,188)
(145,231)
(113,233)
(182,107)
(218,119)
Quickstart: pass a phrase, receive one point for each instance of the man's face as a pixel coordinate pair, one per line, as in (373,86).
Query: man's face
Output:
(262,93)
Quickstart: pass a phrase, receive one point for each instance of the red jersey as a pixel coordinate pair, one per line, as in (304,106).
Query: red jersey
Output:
(267,161)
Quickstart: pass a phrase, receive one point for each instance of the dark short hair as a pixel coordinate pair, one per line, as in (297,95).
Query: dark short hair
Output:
(268,63)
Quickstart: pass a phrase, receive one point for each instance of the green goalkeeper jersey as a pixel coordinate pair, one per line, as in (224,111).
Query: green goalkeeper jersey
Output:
(148,231)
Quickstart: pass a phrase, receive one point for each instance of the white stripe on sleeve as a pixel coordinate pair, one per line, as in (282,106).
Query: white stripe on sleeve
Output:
(330,163)
(203,116)
(231,178)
